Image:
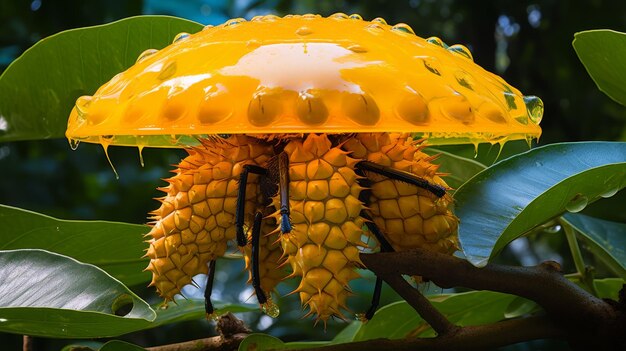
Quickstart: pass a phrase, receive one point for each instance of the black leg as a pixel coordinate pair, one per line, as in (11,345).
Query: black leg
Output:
(402,176)
(208,306)
(375,299)
(283,182)
(256,277)
(364,197)
(241,200)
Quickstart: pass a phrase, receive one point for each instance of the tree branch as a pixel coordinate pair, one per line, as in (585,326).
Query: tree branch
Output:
(232,331)
(463,339)
(423,307)
(584,316)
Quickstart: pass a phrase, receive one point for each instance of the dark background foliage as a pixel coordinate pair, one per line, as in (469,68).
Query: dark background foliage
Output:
(527,42)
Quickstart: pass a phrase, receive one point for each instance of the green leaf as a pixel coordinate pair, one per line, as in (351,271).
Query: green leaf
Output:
(459,169)
(38,90)
(520,307)
(115,247)
(260,342)
(606,239)
(609,288)
(193,309)
(117,345)
(47,294)
(515,195)
(348,333)
(603,53)
(399,320)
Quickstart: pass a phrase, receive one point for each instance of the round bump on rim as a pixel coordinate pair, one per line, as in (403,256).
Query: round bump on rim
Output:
(264,107)
(361,108)
(311,108)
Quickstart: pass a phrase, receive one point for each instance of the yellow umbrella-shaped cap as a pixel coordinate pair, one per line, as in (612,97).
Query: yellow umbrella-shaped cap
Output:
(304,74)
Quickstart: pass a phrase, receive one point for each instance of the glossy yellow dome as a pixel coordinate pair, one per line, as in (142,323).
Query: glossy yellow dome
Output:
(302,74)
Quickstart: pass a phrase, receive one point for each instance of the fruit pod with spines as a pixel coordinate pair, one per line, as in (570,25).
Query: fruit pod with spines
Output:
(409,216)
(323,245)
(271,270)
(196,219)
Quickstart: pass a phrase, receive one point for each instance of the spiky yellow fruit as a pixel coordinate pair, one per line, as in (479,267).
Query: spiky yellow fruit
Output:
(322,247)
(409,216)
(197,215)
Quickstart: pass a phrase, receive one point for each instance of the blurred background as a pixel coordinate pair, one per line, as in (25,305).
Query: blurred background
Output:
(526,42)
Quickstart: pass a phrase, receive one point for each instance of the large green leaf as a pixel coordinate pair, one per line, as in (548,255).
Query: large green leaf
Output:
(603,53)
(606,239)
(115,247)
(515,195)
(38,90)
(398,320)
(458,169)
(47,294)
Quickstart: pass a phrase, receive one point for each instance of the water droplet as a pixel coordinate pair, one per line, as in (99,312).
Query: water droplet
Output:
(310,16)
(375,28)
(270,308)
(403,28)
(437,41)
(339,15)
(208,26)
(534,106)
(461,50)
(74,144)
(82,103)
(147,53)
(167,71)
(180,36)
(257,18)
(304,31)
(355,16)
(577,203)
(234,21)
(270,18)
(609,193)
(379,20)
